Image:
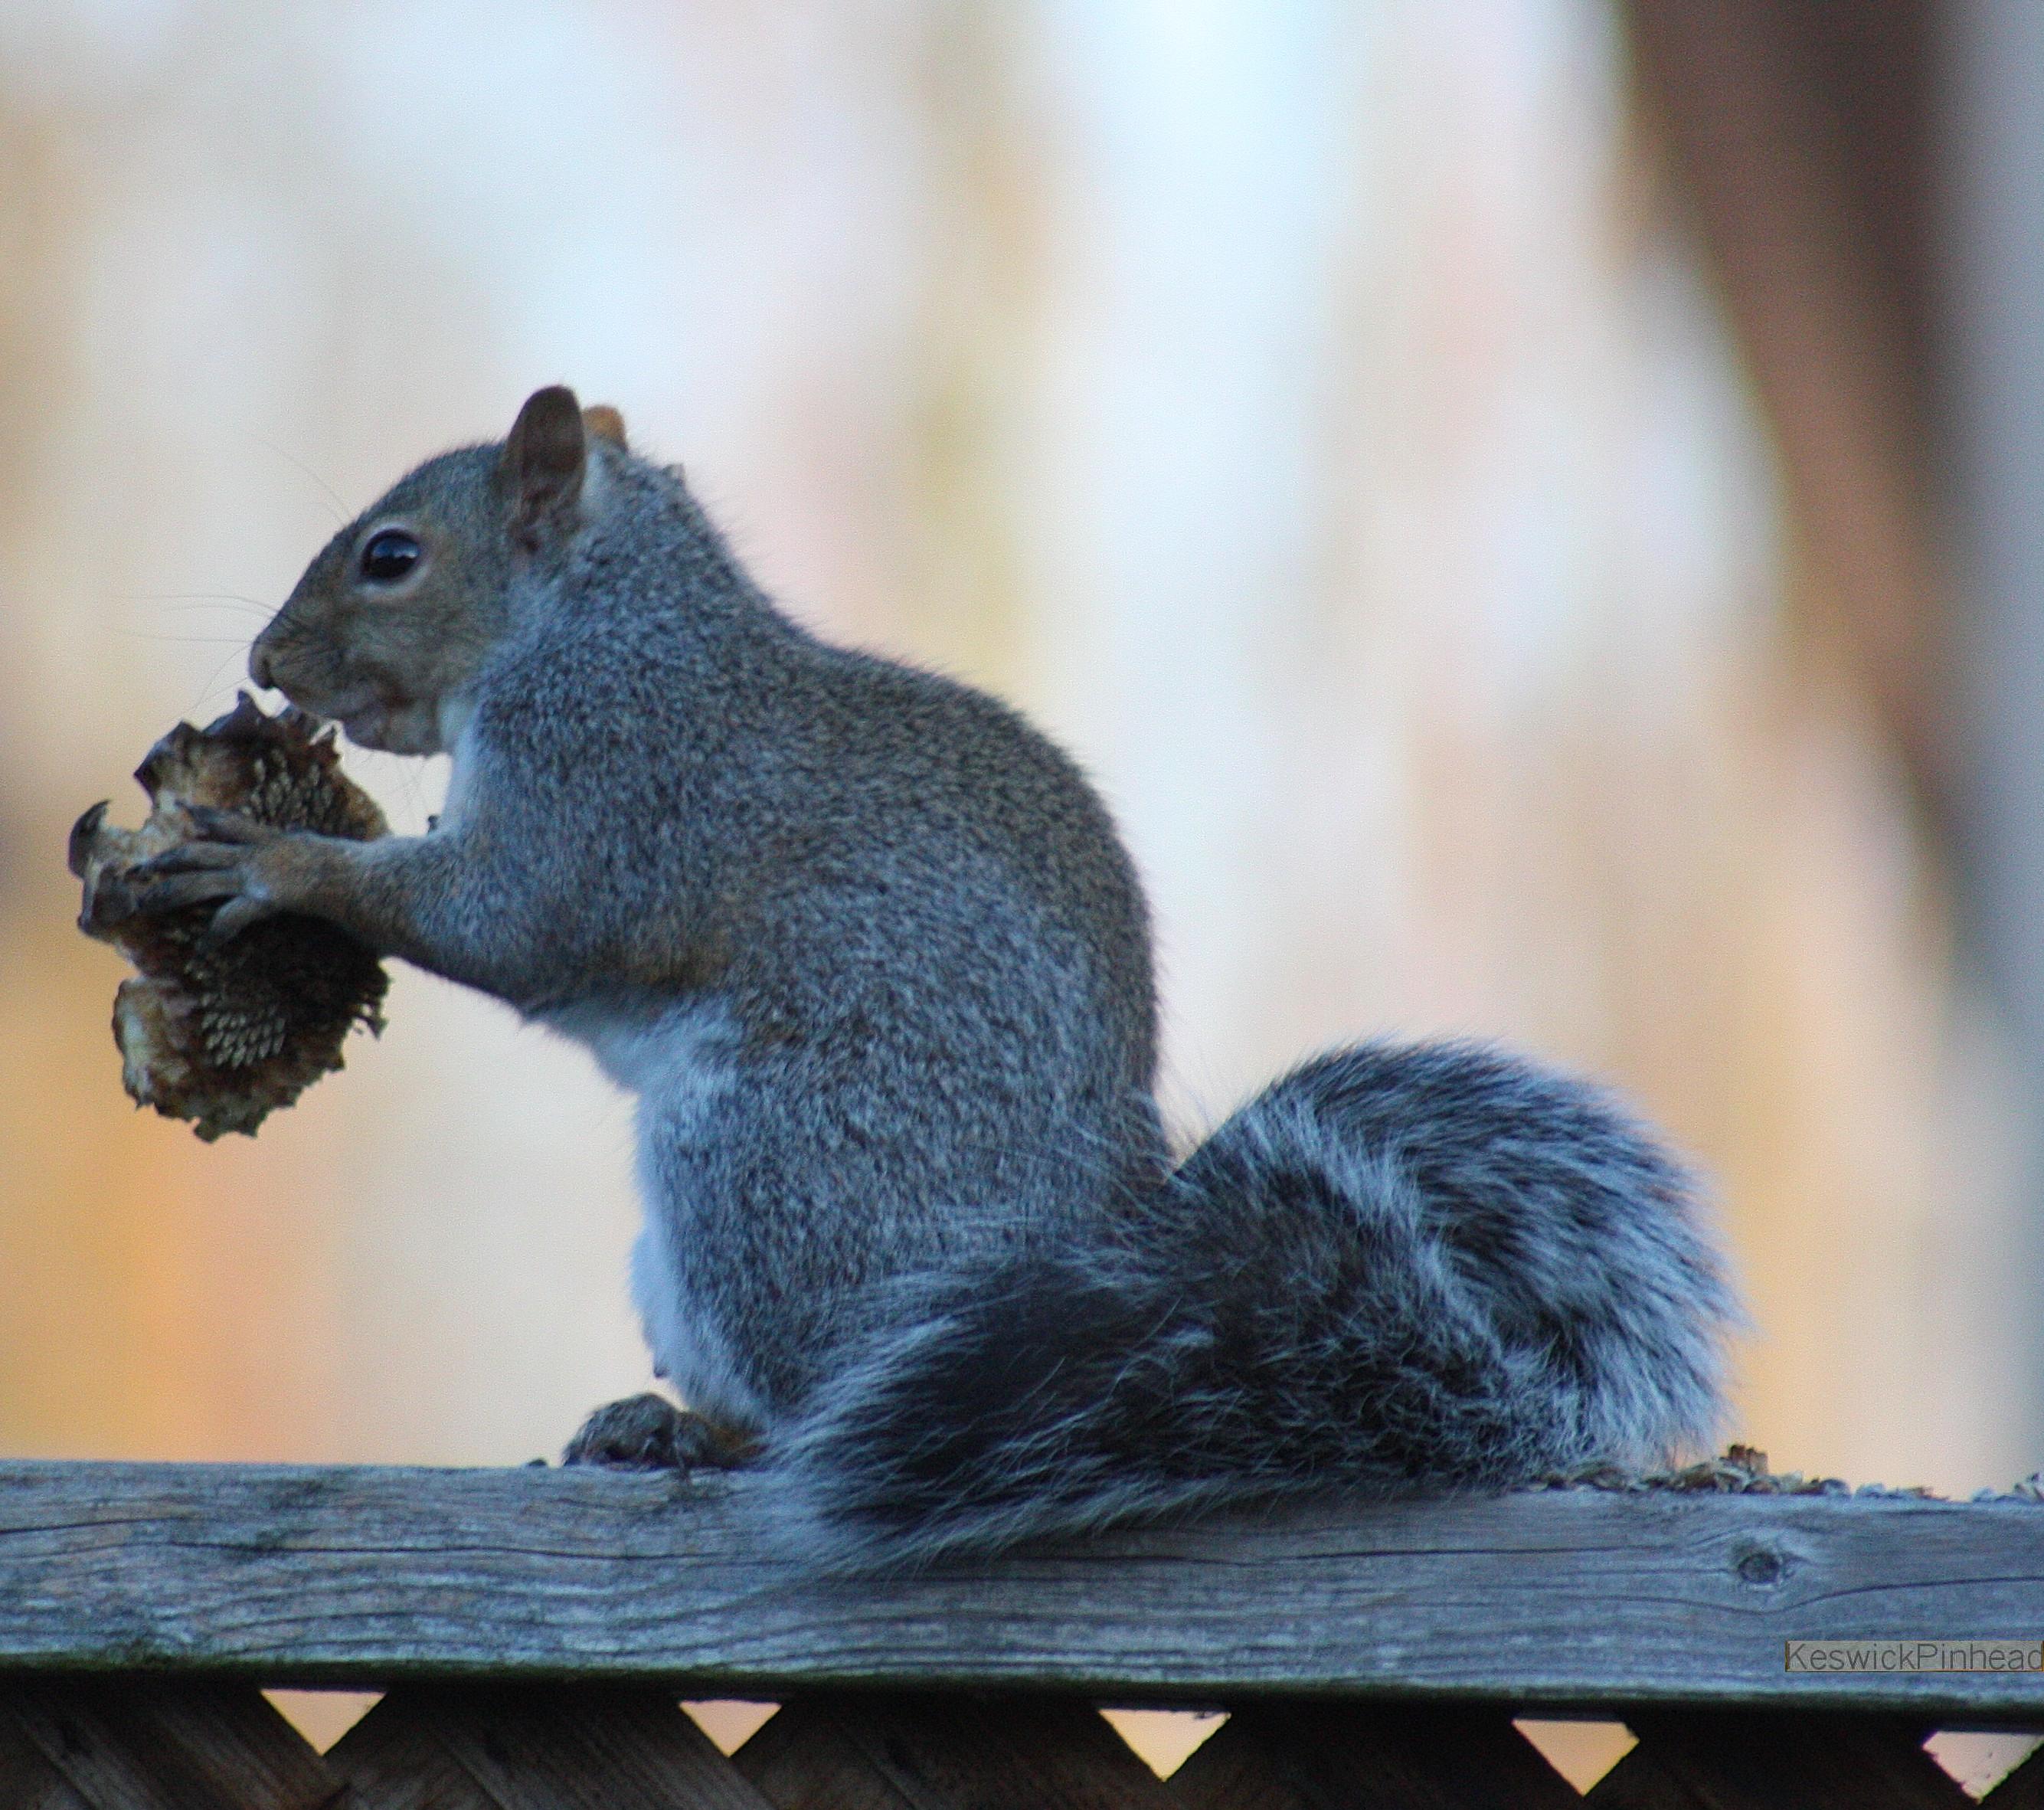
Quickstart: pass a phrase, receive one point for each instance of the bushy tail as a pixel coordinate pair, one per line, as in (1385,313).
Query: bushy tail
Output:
(1430,1265)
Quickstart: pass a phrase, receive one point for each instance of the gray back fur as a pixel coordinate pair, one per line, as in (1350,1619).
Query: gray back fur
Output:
(871,952)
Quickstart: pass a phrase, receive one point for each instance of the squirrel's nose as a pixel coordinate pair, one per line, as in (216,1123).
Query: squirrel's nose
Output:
(259,666)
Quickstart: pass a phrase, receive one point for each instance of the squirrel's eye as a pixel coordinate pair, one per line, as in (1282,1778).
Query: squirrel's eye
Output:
(390,556)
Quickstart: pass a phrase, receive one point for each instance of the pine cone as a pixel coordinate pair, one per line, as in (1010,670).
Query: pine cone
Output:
(223,1037)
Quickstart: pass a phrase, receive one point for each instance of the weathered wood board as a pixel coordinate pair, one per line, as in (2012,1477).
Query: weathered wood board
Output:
(1577,1599)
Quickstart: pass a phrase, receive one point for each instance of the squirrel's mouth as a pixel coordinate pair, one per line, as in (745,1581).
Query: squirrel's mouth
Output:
(366,725)
(371,718)
(331,704)
(398,725)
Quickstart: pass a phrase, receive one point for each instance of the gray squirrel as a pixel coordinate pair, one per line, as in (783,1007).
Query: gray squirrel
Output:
(869,950)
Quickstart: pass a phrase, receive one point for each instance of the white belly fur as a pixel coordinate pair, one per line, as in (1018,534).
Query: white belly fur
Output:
(677,1058)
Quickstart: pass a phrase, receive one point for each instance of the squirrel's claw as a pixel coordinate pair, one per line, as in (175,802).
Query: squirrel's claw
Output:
(648,1432)
(216,825)
(189,858)
(185,888)
(217,866)
(232,919)
(84,833)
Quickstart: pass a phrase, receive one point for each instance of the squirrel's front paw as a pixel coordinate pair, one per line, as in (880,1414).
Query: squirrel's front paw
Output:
(245,864)
(648,1432)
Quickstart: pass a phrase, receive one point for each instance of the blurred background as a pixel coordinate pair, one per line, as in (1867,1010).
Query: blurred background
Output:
(1527,507)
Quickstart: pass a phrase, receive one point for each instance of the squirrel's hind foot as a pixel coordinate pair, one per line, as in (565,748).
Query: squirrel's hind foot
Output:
(648,1432)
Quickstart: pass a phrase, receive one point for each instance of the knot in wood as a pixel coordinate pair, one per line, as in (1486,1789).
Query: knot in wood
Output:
(1761,1565)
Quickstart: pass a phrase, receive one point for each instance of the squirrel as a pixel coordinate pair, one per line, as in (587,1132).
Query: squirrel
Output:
(869,949)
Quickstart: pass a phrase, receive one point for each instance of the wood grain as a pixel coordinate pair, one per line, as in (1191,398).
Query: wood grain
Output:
(528,1747)
(868,1752)
(2023,1789)
(140,1744)
(28,1781)
(1390,1757)
(1777,1762)
(1567,1600)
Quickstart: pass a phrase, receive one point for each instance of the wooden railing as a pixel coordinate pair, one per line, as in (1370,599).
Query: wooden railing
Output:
(533,1632)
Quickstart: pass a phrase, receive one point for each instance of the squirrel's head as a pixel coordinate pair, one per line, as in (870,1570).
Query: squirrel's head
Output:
(394,616)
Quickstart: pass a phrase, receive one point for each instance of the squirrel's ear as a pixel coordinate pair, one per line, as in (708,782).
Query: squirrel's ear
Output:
(600,421)
(543,458)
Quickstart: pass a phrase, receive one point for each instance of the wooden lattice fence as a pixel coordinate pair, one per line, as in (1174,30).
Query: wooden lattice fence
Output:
(534,1631)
